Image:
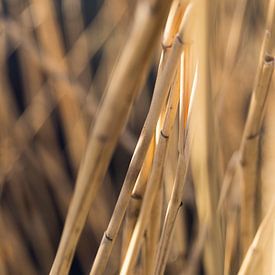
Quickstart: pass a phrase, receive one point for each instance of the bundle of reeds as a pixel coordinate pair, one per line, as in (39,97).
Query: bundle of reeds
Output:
(136,137)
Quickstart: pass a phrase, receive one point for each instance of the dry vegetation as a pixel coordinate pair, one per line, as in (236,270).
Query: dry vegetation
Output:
(137,137)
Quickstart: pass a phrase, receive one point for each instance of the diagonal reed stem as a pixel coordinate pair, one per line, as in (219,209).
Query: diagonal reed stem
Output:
(175,201)
(130,72)
(205,162)
(249,148)
(160,94)
(136,199)
(153,182)
(170,31)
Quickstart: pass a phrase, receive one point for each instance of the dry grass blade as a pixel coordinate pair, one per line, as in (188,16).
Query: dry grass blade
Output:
(135,59)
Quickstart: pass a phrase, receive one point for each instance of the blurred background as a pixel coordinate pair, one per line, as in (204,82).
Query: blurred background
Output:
(56,57)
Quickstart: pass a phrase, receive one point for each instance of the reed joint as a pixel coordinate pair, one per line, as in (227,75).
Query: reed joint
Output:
(136,197)
(108,237)
(253,136)
(179,38)
(165,47)
(164,135)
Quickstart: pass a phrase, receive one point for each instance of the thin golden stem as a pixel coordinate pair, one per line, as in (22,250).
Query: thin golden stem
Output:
(136,59)
(153,183)
(136,198)
(160,94)
(182,166)
(249,148)
(205,151)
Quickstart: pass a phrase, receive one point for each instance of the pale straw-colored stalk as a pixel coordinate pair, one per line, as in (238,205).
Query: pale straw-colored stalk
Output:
(154,229)
(171,214)
(127,79)
(160,94)
(153,182)
(171,29)
(229,207)
(205,161)
(72,117)
(175,201)
(156,173)
(179,244)
(136,199)
(249,148)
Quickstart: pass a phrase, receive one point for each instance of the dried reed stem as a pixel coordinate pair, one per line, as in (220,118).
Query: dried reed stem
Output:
(136,199)
(249,148)
(154,229)
(69,105)
(175,201)
(130,72)
(171,214)
(153,182)
(160,93)
(171,29)
(230,239)
(205,151)
(229,207)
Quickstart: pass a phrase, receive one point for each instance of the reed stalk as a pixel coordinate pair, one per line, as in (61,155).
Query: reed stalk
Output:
(161,87)
(160,94)
(69,105)
(175,201)
(172,211)
(136,59)
(136,199)
(171,29)
(205,162)
(154,229)
(178,248)
(153,182)
(229,208)
(249,148)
